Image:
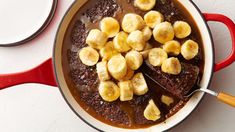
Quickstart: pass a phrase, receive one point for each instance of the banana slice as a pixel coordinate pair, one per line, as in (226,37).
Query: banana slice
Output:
(147,32)
(126,90)
(189,49)
(145,54)
(146,50)
(96,39)
(171,66)
(152,112)
(182,29)
(117,66)
(152,18)
(148,46)
(132,22)
(136,40)
(110,26)
(167,100)
(157,56)
(88,56)
(139,84)
(163,32)
(120,42)
(108,51)
(144,5)
(102,71)
(129,74)
(109,91)
(134,59)
(172,47)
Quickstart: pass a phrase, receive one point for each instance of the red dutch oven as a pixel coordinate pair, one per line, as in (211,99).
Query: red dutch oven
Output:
(54,71)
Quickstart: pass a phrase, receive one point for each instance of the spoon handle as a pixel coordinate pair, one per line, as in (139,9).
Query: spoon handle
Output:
(226,98)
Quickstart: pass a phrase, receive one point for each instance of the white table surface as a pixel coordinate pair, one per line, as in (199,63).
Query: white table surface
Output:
(40,108)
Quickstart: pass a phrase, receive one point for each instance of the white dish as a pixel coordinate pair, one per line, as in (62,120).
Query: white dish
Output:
(22,20)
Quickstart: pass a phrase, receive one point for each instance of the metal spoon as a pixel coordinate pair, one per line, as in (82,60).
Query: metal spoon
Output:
(221,96)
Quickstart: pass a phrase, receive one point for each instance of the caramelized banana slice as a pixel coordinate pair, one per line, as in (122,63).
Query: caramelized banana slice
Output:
(120,42)
(167,100)
(96,39)
(139,84)
(189,49)
(136,40)
(126,90)
(157,56)
(108,51)
(163,32)
(145,54)
(152,112)
(182,29)
(109,91)
(144,5)
(88,56)
(171,66)
(132,22)
(102,71)
(172,47)
(129,74)
(117,66)
(134,59)
(148,46)
(152,18)
(147,33)
(110,26)
(146,50)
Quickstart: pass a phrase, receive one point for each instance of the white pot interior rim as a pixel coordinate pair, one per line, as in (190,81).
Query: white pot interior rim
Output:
(170,122)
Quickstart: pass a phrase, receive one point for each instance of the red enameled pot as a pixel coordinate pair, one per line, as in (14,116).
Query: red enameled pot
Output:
(51,72)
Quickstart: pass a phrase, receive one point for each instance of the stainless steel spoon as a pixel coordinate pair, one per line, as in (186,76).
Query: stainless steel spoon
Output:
(221,96)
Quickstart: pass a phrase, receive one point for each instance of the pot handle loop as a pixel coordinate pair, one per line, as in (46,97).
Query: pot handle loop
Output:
(231,26)
(41,74)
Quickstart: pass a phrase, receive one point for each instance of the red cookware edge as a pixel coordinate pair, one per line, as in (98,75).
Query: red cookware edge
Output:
(231,26)
(44,73)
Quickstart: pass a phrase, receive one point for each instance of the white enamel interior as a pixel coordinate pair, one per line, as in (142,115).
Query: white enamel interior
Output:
(22,18)
(185,111)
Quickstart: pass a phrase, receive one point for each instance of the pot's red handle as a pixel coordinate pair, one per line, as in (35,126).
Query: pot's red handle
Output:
(41,74)
(231,26)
